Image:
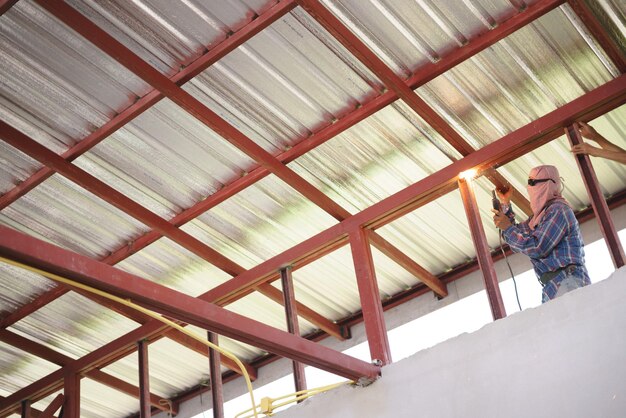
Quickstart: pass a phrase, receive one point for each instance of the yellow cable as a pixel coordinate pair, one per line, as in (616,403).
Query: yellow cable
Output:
(141,309)
(297,396)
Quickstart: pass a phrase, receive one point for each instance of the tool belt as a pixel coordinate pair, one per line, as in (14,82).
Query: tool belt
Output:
(546,277)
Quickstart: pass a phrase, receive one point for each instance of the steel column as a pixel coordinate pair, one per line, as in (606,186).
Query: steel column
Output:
(603,215)
(144,379)
(291,315)
(482,248)
(217,389)
(71,390)
(26,409)
(371,304)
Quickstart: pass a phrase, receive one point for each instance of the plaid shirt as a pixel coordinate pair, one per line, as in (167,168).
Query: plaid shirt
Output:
(556,242)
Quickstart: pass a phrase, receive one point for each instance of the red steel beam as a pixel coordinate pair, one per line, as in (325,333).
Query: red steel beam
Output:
(144,379)
(217,389)
(171,303)
(420,77)
(291,316)
(612,49)
(485,262)
(57,358)
(5,5)
(600,207)
(27,309)
(408,264)
(585,108)
(154,96)
(54,406)
(371,305)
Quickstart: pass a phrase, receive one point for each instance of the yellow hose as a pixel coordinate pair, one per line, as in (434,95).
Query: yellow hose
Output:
(297,396)
(141,309)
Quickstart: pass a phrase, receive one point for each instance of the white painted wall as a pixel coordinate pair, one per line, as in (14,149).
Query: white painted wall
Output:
(562,359)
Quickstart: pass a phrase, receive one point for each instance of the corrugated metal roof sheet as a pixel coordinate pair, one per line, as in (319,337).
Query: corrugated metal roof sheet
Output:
(278,88)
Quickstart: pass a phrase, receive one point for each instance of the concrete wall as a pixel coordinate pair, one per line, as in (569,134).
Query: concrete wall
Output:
(395,317)
(563,359)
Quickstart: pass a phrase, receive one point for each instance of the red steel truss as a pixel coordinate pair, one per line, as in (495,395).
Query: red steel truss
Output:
(421,76)
(587,107)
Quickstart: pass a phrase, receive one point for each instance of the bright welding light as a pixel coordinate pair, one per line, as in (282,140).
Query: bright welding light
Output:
(468,174)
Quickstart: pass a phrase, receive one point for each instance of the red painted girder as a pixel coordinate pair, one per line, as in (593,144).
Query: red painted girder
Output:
(395,83)
(27,309)
(52,356)
(422,76)
(171,303)
(369,294)
(483,254)
(613,50)
(193,106)
(54,406)
(5,5)
(600,207)
(509,147)
(206,60)
(408,264)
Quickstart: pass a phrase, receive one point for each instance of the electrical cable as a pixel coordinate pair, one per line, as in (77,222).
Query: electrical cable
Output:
(154,315)
(510,270)
(267,405)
